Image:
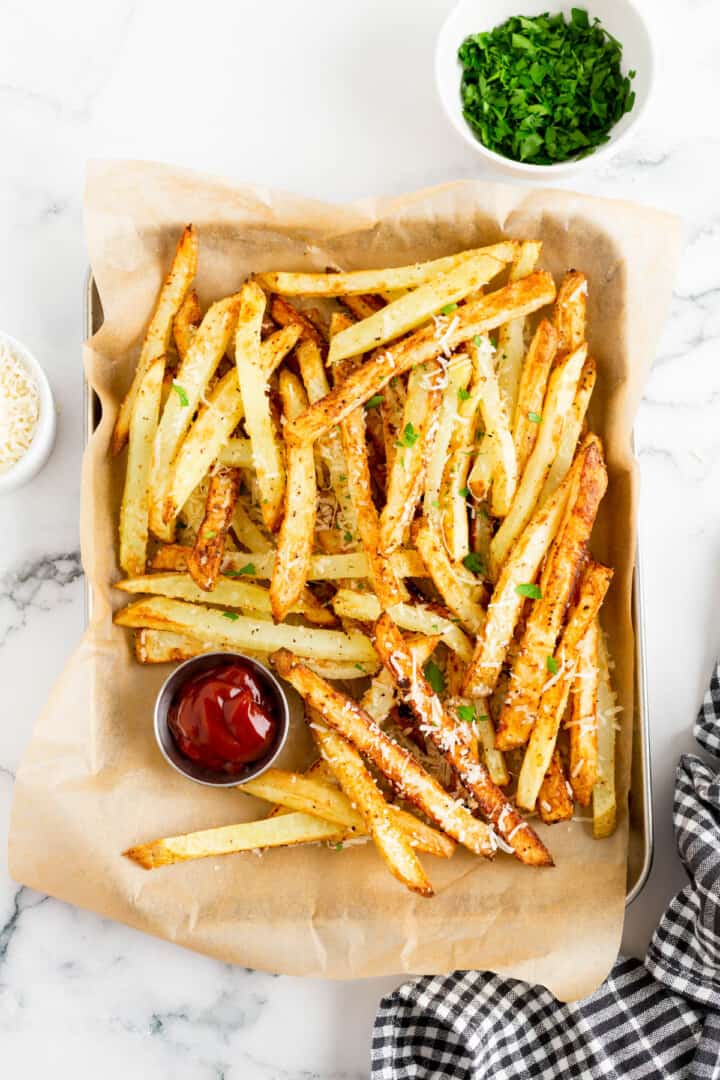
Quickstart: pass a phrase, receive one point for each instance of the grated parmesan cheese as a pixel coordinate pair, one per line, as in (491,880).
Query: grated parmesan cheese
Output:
(19,408)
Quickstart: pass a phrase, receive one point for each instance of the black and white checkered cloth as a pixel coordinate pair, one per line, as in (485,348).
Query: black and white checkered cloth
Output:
(656,1019)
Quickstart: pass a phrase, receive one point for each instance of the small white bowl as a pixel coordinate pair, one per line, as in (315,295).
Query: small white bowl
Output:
(620,18)
(42,443)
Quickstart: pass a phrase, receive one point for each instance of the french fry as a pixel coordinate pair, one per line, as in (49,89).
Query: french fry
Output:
(415,308)
(191,380)
(286,315)
(458,377)
(572,430)
(485,730)
(410,780)
(448,581)
(511,335)
(362,306)
(360,788)
(236,452)
(556,585)
(259,563)
(553,700)
(418,618)
(275,348)
(376,281)
(206,558)
(379,698)
(405,483)
(295,540)
(561,391)
(497,441)
(228,592)
(186,322)
(135,505)
(388,586)
(474,317)
(157,336)
(554,798)
(435,723)
(604,794)
(453,509)
(283,831)
(507,600)
(569,315)
(392,408)
(317,793)
(531,391)
(267,452)
(583,723)
(250,536)
(240,632)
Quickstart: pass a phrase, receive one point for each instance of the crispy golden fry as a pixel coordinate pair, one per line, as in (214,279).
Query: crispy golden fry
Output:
(497,441)
(561,391)
(205,560)
(531,393)
(259,563)
(569,315)
(549,712)
(458,376)
(362,306)
(572,430)
(418,618)
(511,335)
(555,799)
(405,483)
(376,281)
(414,308)
(275,348)
(250,535)
(286,315)
(507,602)
(282,831)
(435,723)
(604,797)
(360,788)
(236,452)
(472,318)
(583,723)
(453,508)
(485,732)
(392,408)
(410,780)
(556,585)
(317,793)
(268,458)
(238,631)
(157,336)
(388,586)
(135,505)
(379,698)
(186,322)
(229,592)
(450,582)
(191,381)
(295,541)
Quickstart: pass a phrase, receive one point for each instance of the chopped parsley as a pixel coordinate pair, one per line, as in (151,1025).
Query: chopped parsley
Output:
(182,394)
(338,846)
(534,417)
(463,394)
(210,535)
(465,492)
(478,340)
(347,537)
(434,676)
(408,438)
(231,615)
(474,563)
(468,714)
(448,309)
(551,664)
(533,592)
(248,568)
(374,401)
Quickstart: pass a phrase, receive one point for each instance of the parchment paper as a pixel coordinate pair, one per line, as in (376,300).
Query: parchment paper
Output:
(92,781)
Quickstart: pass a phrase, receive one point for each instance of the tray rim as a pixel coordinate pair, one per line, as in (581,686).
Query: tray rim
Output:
(641,717)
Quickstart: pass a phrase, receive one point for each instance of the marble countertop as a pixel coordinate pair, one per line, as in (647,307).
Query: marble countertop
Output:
(214,87)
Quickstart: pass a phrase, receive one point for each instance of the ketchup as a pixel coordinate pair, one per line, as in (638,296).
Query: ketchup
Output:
(223,717)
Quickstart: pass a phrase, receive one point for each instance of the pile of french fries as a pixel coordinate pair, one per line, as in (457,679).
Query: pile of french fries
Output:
(383,475)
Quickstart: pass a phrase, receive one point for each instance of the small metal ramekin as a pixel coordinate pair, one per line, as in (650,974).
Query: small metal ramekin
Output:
(192,769)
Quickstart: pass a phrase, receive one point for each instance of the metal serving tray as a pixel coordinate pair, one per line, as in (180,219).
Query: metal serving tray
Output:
(640,841)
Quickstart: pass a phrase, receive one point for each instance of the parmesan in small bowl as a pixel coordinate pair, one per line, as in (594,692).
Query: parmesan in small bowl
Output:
(27,415)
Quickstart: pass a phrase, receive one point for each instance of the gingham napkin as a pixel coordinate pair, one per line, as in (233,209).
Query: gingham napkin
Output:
(656,1019)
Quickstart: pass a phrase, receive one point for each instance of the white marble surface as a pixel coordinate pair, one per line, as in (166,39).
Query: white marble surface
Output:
(333,99)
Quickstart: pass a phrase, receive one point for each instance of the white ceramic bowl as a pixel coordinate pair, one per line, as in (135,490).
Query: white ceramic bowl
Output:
(39,450)
(621,18)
